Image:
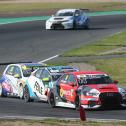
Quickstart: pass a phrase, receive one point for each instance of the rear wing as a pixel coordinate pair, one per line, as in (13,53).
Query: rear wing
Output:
(85,10)
(7,63)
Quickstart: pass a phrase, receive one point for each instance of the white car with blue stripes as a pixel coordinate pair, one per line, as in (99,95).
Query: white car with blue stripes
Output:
(68,19)
(39,83)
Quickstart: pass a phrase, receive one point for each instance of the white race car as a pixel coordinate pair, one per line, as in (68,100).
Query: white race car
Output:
(14,77)
(68,19)
(39,83)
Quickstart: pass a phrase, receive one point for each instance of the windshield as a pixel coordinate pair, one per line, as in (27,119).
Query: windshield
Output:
(55,77)
(29,69)
(94,79)
(69,13)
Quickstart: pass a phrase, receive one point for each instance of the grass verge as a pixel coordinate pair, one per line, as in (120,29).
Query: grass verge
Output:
(116,67)
(24,7)
(109,45)
(53,122)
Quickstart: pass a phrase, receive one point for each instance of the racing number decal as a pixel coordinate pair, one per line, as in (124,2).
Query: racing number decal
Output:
(38,88)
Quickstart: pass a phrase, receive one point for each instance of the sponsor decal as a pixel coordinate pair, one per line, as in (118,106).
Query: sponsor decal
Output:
(38,88)
(67,93)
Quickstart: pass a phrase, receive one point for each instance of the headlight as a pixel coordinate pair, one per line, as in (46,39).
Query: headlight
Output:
(65,21)
(93,92)
(122,91)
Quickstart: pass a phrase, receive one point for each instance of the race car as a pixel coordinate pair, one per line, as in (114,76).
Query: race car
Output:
(68,19)
(90,89)
(14,77)
(41,80)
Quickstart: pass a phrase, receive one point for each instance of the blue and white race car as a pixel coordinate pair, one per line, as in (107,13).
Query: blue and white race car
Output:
(68,19)
(14,77)
(39,83)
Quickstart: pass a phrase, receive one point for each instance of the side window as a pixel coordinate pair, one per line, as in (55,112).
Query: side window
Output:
(45,74)
(64,78)
(77,13)
(71,79)
(38,73)
(17,71)
(10,70)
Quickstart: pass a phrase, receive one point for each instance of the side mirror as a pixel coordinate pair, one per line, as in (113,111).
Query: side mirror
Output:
(116,81)
(47,79)
(71,84)
(17,76)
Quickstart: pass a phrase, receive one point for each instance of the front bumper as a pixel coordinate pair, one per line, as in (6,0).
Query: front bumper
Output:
(59,25)
(109,99)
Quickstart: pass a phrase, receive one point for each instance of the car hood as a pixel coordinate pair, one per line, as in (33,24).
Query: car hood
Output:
(104,87)
(61,18)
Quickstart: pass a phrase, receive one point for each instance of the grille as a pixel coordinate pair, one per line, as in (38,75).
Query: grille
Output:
(57,25)
(110,99)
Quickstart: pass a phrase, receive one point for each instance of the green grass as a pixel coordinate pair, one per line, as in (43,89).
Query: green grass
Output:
(101,46)
(24,7)
(56,122)
(115,67)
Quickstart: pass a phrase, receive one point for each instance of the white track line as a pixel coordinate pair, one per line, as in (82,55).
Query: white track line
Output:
(50,58)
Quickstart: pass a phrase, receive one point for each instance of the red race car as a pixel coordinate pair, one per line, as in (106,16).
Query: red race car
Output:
(90,89)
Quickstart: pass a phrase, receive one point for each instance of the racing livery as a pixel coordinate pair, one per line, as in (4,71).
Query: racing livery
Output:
(14,77)
(68,19)
(39,83)
(90,89)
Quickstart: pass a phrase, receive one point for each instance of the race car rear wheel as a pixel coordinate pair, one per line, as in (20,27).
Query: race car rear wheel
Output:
(77,103)
(0,90)
(27,95)
(51,100)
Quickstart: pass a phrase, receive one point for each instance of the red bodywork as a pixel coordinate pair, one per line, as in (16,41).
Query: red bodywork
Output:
(90,95)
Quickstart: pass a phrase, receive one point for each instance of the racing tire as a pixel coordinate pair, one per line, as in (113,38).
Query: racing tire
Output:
(87,24)
(74,25)
(27,95)
(77,103)
(21,94)
(0,90)
(51,100)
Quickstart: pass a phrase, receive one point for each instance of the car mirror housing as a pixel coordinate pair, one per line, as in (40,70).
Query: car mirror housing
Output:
(46,79)
(17,76)
(71,83)
(116,81)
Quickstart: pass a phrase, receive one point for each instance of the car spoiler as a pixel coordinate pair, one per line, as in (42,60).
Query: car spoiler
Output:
(85,10)
(7,63)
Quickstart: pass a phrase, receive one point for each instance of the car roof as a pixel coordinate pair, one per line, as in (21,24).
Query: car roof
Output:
(66,10)
(60,68)
(86,72)
(29,64)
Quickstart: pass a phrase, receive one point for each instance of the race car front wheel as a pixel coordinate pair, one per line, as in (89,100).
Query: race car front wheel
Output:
(51,100)
(27,95)
(74,25)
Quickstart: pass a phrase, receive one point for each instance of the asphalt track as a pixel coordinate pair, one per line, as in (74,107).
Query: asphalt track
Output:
(29,41)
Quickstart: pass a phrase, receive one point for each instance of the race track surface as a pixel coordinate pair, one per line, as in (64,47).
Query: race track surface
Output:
(29,41)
